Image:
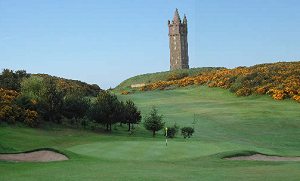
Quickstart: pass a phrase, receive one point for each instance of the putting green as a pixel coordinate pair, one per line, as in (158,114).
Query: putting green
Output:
(152,150)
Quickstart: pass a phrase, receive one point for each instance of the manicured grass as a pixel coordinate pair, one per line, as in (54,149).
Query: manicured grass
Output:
(151,150)
(220,116)
(225,124)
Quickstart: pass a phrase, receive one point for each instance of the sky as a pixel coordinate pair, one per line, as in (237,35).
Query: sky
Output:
(107,41)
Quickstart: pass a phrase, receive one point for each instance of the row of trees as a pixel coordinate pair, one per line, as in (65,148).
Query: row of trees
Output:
(108,110)
(35,99)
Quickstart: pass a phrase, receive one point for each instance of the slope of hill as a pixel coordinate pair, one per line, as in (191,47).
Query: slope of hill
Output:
(280,80)
(162,76)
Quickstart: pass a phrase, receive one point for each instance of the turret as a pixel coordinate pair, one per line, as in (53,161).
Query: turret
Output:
(176,18)
(184,20)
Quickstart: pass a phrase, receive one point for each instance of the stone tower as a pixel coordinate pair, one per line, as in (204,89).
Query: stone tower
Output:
(179,58)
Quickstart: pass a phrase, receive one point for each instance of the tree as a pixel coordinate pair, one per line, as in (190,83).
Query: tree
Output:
(47,98)
(153,121)
(106,110)
(132,114)
(75,106)
(52,101)
(11,80)
(33,87)
(187,132)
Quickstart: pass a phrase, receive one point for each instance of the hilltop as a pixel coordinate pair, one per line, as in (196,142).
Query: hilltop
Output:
(69,85)
(11,80)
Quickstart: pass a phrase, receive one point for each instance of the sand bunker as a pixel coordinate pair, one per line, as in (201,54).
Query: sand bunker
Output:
(261,157)
(35,156)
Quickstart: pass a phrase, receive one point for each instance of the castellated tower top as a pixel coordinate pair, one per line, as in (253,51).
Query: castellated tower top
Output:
(178,44)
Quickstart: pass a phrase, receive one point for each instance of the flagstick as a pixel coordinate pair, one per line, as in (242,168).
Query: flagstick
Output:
(166,136)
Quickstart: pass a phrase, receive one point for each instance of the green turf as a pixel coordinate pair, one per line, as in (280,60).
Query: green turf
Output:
(225,124)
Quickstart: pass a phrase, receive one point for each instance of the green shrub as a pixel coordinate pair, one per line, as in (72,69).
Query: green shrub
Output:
(33,87)
(172,131)
(187,132)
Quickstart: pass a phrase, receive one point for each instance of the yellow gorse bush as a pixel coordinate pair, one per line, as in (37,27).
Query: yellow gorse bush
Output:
(10,112)
(279,80)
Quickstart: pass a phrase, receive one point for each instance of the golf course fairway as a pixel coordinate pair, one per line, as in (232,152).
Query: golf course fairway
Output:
(224,125)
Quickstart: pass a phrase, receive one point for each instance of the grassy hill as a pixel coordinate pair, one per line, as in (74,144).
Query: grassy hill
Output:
(224,124)
(220,115)
(280,80)
(161,76)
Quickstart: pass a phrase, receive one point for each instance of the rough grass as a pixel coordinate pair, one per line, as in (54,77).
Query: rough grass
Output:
(225,125)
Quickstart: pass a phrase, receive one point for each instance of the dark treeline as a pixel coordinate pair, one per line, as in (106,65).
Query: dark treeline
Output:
(36,99)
